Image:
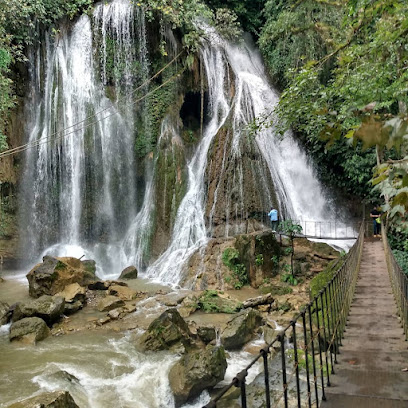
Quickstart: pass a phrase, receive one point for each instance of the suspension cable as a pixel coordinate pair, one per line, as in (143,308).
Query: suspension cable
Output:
(51,137)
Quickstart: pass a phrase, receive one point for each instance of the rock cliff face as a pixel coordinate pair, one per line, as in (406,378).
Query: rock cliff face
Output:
(239,186)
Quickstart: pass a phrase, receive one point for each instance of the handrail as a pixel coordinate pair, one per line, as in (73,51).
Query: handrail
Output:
(315,347)
(399,283)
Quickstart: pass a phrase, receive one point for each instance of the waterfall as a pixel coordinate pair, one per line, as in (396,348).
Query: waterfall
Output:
(79,191)
(298,191)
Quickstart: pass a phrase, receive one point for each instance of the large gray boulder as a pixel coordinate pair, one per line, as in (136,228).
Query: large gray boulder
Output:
(197,371)
(4,313)
(168,331)
(129,273)
(29,330)
(53,274)
(240,329)
(56,399)
(48,308)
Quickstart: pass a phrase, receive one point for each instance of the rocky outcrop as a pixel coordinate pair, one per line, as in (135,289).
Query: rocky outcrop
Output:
(74,296)
(129,273)
(109,303)
(29,330)
(168,331)
(240,329)
(228,206)
(197,371)
(4,313)
(48,308)
(53,274)
(206,333)
(122,292)
(56,399)
(211,301)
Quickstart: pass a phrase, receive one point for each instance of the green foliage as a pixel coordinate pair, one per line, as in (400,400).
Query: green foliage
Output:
(276,290)
(249,12)
(402,259)
(227,24)
(289,278)
(19,23)
(230,258)
(323,278)
(296,32)
(354,87)
(259,260)
(210,302)
(179,14)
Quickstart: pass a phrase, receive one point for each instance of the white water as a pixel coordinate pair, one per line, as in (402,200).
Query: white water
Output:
(80,190)
(299,191)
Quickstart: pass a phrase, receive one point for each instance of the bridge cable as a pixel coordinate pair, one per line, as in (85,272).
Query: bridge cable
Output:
(49,138)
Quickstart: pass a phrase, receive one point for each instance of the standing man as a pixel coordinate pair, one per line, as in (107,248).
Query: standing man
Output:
(273,216)
(375,214)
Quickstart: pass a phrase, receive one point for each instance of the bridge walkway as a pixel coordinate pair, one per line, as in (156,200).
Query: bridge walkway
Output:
(374,354)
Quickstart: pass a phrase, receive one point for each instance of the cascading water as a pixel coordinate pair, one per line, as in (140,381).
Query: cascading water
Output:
(79,190)
(298,190)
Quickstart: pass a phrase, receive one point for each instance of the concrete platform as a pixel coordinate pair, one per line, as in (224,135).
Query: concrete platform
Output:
(374,352)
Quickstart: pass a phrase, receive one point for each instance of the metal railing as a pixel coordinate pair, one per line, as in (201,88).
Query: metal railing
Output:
(317,229)
(399,283)
(308,347)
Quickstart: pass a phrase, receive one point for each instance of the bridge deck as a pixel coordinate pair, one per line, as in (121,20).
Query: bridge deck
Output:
(374,353)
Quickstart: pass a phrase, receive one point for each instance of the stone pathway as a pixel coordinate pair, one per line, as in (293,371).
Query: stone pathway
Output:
(374,352)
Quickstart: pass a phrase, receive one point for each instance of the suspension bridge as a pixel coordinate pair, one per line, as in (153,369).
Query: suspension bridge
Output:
(347,348)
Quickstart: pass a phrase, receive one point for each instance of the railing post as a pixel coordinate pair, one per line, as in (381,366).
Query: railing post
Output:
(293,323)
(281,337)
(265,352)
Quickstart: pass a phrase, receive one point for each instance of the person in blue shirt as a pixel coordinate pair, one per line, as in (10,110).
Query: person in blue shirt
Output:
(273,216)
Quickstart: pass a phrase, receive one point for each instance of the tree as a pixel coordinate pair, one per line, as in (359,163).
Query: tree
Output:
(363,97)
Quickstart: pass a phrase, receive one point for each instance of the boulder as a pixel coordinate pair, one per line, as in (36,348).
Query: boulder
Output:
(56,399)
(188,305)
(169,330)
(29,330)
(129,273)
(4,313)
(110,302)
(123,292)
(240,329)
(74,296)
(207,333)
(73,292)
(71,308)
(99,285)
(53,274)
(197,371)
(48,308)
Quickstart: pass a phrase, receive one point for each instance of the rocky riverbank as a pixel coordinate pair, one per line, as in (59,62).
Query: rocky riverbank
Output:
(66,297)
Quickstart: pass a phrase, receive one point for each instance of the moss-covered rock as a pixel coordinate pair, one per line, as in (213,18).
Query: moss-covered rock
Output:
(48,308)
(166,332)
(29,330)
(240,329)
(53,274)
(212,301)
